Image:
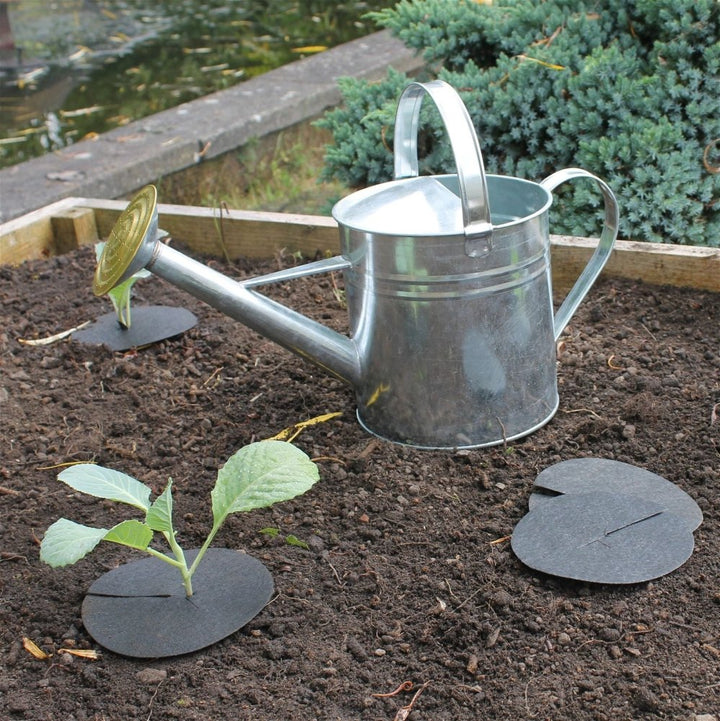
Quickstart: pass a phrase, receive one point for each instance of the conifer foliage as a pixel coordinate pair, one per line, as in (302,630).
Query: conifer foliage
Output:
(627,89)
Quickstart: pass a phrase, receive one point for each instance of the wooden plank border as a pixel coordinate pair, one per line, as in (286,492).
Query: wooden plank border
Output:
(657,263)
(239,233)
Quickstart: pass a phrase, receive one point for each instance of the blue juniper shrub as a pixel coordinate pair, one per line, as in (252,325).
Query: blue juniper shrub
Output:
(627,89)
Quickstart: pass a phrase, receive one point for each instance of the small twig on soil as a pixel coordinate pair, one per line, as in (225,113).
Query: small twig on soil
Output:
(404,686)
(335,573)
(647,330)
(504,434)
(192,440)
(714,414)
(329,459)
(369,448)
(404,712)
(469,598)
(593,642)
(527,703)
(213,374)
(7,556)
(583,410)
(4,491)
(62,465)
(152,701)
(502,539)
(449,588)
(677,624)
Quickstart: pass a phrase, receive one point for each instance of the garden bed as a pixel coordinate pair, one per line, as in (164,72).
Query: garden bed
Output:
(408,575)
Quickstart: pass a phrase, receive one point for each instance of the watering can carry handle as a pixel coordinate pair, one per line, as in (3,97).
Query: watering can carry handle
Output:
(602,251)
(465,147)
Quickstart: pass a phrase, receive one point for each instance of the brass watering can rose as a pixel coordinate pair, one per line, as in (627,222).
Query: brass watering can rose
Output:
(136,222)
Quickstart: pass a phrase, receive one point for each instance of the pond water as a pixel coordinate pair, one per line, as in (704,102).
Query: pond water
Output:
(72,68)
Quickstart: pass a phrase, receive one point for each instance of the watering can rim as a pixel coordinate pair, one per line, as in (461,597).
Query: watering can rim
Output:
(342,208)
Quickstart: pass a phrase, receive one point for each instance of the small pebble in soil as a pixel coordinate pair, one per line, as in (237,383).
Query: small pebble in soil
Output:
(645,700)
(151,676)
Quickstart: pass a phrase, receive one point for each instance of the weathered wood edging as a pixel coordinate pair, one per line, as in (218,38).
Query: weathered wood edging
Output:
(71,222)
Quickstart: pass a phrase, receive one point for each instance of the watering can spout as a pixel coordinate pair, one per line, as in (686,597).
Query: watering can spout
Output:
(134,243)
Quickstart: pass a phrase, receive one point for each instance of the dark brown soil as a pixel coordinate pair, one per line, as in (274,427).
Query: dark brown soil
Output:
(409,576)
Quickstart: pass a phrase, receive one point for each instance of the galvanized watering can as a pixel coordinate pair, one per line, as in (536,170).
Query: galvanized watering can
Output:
(452,333)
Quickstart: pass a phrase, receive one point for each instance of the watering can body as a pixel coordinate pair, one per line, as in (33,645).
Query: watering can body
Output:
(448,283)
(458,351)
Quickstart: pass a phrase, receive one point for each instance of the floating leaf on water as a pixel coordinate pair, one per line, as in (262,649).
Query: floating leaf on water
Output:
(212,68)
(80,112)
(119,120)
(308,49)
(79,54)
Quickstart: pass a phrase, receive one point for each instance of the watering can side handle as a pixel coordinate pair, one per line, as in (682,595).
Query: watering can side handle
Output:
(326,265)
(465,148)
(602,251)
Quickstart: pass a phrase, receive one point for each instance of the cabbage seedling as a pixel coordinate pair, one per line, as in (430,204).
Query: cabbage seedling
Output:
(256,476)
(120,294)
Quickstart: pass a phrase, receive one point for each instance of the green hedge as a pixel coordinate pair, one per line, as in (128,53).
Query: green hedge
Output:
(627,89)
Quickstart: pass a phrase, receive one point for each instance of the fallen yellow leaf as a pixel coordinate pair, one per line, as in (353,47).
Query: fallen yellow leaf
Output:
(288,434)
(502,539)
(53,338)
(34,649)
(81,652)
